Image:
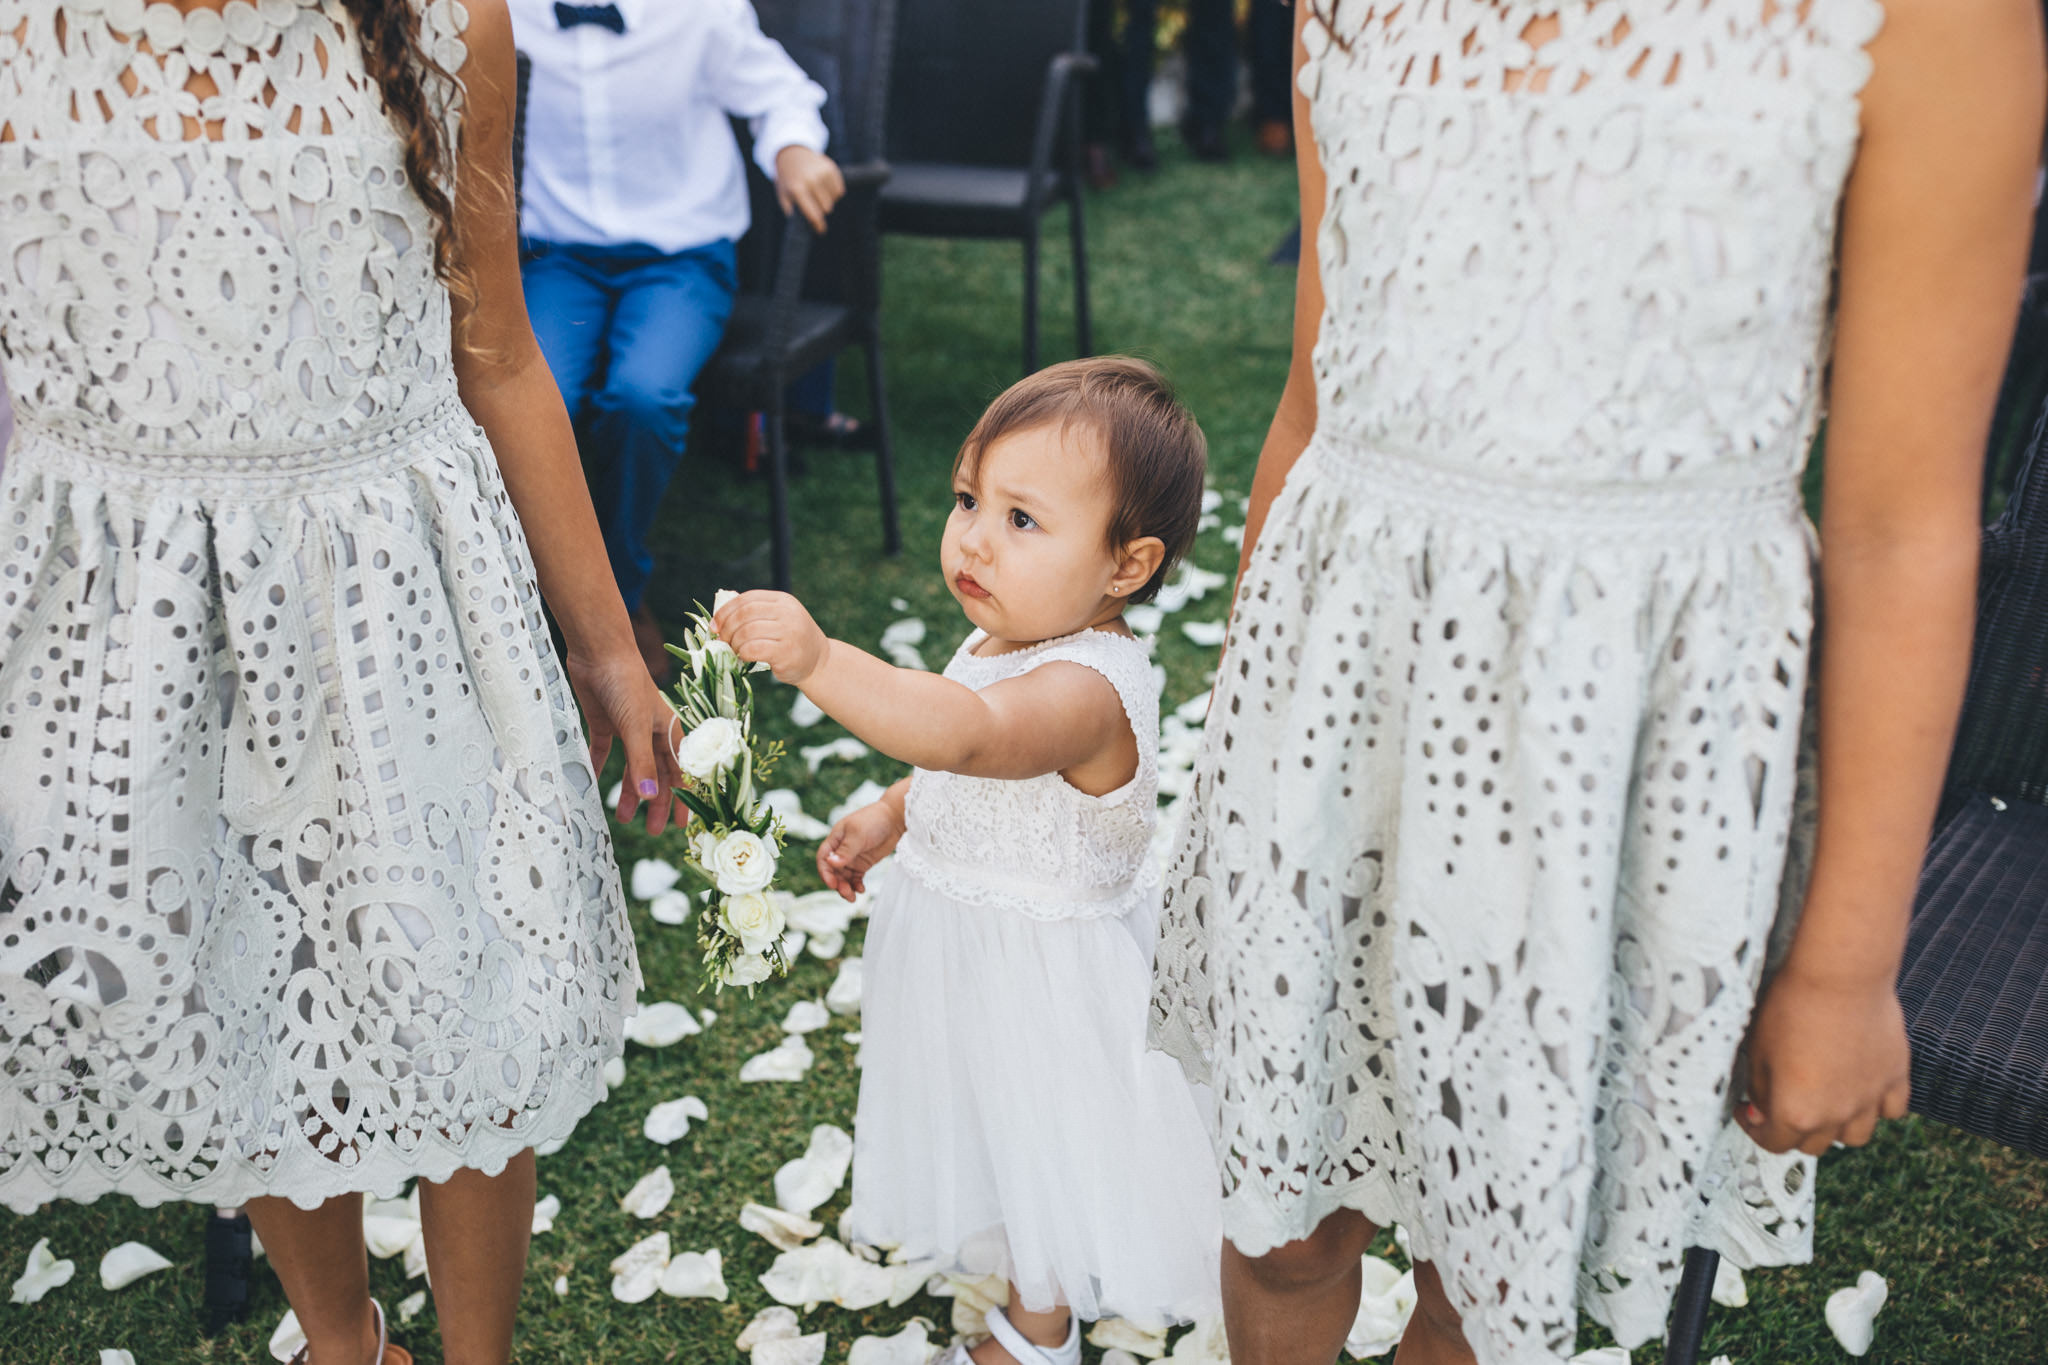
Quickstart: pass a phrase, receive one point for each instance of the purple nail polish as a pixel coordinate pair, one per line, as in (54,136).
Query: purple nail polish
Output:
(648,786)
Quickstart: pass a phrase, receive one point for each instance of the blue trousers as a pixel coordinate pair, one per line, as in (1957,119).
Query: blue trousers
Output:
(626,330)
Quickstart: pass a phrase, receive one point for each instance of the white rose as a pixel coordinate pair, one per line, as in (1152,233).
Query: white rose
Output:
(748,969)
(702,845)
(753,919)
(724,596)
(742,862)
(711,748)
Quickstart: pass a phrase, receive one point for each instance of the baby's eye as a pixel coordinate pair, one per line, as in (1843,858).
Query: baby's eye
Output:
(1022,520)
(965,501)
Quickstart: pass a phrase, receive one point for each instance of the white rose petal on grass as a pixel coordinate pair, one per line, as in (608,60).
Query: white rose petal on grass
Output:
(1729,1290)
(614,1076)
(1194,710)
(412,1305)
(711,748)
(866,794)
(1207,634)
(670,1119)
(660,1024)
(804,713)
(1144,619)
(911,1346)
(825,947)
(117,1357)
(742,862)
(545,1212)
(786,1062)
(843,998)
(806,1016)
(1605,1355)
(747,969)
(670,907)
(846,750)
(561,1286)
(416,1258)
(1852,1312)
(636,1271)
(288,1339)
(389,1227)
(611,798)
(783,1231)
(816,1176)
(695,1275)
(754,919)
(1117,1355)
(900,640)
(1233,535)
(808,1350)
(789,808)
(1720,1360)
(129,1262)
(770,1324)
(45,1272)
(1205,1345)
(826,1272)
(1385,1303)
(650,1193)
(1191,584)
(650,877)
(1122,1334)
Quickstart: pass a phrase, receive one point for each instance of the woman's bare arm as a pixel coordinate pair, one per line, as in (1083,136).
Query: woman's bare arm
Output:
(506,386)
(1934,244)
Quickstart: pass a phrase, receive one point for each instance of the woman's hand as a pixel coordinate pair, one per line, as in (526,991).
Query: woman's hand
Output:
(773,628)
(856,844)
(620,702)
(1828,1058)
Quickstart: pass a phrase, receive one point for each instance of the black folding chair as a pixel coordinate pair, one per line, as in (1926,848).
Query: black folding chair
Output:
(804,297)
(985,131)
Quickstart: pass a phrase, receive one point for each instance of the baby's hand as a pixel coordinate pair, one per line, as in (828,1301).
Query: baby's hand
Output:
(856,844)
(773,628)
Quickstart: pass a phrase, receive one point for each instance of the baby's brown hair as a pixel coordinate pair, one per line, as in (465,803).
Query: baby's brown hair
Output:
(1156,456)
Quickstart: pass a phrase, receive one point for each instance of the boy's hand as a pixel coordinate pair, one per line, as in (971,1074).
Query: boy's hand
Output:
(808,182)
(773,628)
(856,844)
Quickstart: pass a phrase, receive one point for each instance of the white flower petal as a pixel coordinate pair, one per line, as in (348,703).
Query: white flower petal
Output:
(661,1023)
(1205,1345)
(650,1193)
(614,1074)
(636,1272)
(808,1350)
(561,1286)
(1605,1355)
(816,1176)
(412,1305)
(671,907)
(45,1272)
(826,1272)
(695,1275)
(784,1231)
(845,749)
(416,1257)
(825,947)
(1144,619)
(804,713)
(1852,1312)
(127,1263)
(789,808)
(866,794)
(819,912)
(1191,584)
(770,1324)
(288,1339)
(670,1119)
(911,1346)
(806,1016)
(388,1236)
(844,995)
(1122,1334)
(545,1212)
(611,798)
(1207,634)
(1720,1360)
(900,641)
(117,1357)
(1729,1290)
(1385,1303)
(786,1062)
(651,877)
(707,1017)
(1194,710)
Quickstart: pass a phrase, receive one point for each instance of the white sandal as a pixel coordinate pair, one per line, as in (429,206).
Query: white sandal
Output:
(1022,1351)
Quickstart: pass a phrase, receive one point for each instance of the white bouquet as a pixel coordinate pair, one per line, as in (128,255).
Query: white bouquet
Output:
(736,838)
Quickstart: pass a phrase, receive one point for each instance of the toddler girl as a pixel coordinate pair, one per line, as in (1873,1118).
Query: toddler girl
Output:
(1010,1118)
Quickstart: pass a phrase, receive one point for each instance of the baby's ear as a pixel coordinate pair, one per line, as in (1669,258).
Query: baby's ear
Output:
(1136,562)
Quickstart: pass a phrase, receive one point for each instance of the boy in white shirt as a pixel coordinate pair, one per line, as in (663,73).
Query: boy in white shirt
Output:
(632,199)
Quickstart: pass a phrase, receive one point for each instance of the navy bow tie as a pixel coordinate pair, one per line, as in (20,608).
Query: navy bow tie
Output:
(604,16)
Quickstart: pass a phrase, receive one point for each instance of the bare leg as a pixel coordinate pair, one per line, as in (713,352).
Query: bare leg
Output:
(1040,1329)
(319,1258)
(1296,1304)
(1435,1336)
(477,1227)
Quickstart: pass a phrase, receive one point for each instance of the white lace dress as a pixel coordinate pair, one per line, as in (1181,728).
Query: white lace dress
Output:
(304,885)
(1011,1119)
(1488,835)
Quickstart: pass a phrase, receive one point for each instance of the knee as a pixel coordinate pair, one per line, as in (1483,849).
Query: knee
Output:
(651,406)
(1326,1255)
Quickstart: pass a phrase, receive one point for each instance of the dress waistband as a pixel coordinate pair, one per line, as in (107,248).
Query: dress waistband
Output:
(1676,508)
(254,474)
(1037,898)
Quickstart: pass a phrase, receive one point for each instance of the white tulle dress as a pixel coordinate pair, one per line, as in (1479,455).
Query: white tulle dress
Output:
(1011,1120)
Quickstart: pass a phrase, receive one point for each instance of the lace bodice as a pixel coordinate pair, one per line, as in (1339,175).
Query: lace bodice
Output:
(1623,274)
(265,289)
(1040,846)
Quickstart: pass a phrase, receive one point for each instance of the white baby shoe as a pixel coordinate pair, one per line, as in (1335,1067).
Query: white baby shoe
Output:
(1023,1352)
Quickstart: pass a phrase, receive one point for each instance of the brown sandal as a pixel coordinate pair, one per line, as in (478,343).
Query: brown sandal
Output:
(387,1354)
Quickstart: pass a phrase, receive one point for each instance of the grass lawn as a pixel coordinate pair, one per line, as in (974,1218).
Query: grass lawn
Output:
(1958,1226)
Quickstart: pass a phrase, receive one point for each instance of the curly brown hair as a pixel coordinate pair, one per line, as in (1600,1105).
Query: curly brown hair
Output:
(388,34)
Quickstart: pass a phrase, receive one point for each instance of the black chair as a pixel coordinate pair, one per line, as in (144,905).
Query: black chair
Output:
(803,297)
(985,131)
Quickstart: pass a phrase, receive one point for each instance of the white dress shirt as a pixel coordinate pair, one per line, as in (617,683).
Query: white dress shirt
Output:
(627,138)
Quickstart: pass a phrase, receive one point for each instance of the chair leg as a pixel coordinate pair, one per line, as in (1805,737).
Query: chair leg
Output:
(1077,228)
(1031,299)
(778,494)
(1689,1307)
(227,1269)
(885,451)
